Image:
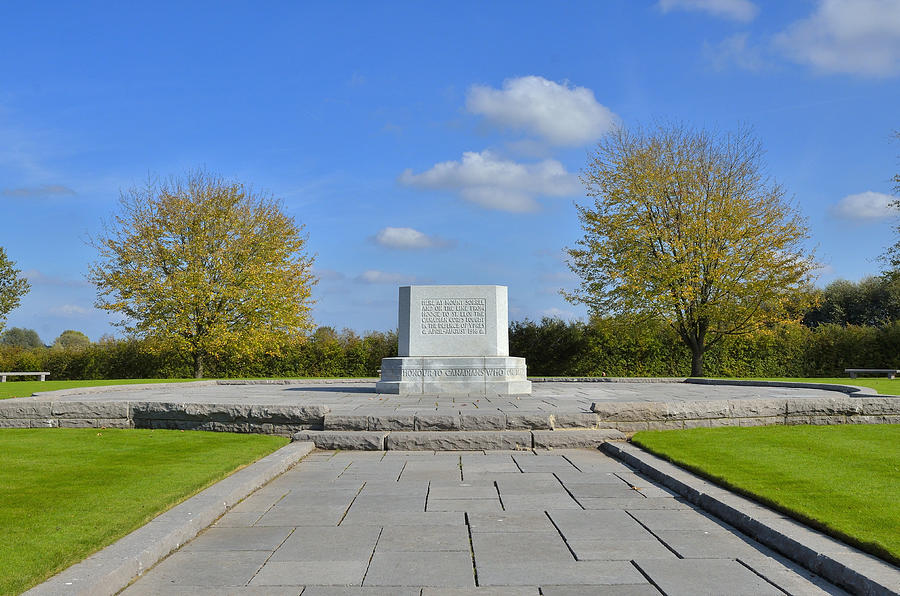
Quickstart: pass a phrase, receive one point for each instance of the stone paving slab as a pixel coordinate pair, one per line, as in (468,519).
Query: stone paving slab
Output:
(840,563)
(392,540)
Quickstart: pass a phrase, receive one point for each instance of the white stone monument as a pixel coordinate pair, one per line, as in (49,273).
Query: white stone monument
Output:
(453,340)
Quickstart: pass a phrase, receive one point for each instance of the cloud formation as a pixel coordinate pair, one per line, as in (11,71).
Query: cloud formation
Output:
(406,239)
(36,277)
(494,183)
(736,50)
(70,310)
(847,36)
(558,113)
(743,11)
(373,276)
(865,206)
(44,190)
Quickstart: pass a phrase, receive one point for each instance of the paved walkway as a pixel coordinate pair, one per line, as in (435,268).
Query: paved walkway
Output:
(503,523)
(359,397)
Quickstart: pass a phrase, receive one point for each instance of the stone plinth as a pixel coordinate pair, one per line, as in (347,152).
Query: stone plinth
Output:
(453,340)
(431,375)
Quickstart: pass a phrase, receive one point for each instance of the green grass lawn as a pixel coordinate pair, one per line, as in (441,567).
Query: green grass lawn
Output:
(882,385)
(66,493)
(26,388)
(843,480)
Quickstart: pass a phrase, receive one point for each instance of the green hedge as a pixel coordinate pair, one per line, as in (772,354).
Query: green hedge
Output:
(613,348)
(324,354)
(552,347)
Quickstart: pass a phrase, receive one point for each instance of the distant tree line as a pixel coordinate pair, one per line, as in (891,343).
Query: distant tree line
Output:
(854,324)
(324,353)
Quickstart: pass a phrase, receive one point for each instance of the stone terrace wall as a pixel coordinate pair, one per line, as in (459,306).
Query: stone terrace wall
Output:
(635,416)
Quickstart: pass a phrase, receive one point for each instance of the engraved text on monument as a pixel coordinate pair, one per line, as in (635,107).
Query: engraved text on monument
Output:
(453,316)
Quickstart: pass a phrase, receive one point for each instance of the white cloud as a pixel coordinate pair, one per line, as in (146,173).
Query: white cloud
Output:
(735,50)
(373,276)
(70,310)
(865,206)
(494,183)
(328,274)
(735,10)
(45,190)
(847,36)
(557,313)
(36,277)
(561,114)
(406,239)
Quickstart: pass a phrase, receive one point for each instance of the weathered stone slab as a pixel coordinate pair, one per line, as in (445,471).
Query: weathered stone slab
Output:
(437,422)
(761,421)
(90,409)
(392,422)
(486,421)
(306,414)
(757,408)
(357,440)
(458,440)
(637,411)
(17,422)
(574,420)
(528,421)
(693,410)
(95,423)
(14,408)
(574,439)
(822,406)
(877,406)
(190,411)
(873,419)
(345,422)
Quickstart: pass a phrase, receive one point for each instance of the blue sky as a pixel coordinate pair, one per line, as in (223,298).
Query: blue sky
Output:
(427,142)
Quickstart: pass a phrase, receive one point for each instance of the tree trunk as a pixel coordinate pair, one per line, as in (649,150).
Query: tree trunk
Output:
(696,361)
(198,365)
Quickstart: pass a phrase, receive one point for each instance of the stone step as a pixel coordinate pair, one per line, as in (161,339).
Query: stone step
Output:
(485,440)
(440,421)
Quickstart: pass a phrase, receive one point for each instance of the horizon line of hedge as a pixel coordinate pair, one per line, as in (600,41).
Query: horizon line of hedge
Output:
(551,347)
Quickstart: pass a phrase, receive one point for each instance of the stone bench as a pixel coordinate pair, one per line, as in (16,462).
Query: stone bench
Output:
(890,372)
(42,375)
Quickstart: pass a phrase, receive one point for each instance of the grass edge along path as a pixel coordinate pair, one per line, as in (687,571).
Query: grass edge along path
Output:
(67,493)
(843,480)
(12,389)
(27,388)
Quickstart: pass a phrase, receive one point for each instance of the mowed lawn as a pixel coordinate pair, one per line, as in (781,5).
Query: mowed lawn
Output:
(882,385)
(27,388)
(65,493)
(844,480)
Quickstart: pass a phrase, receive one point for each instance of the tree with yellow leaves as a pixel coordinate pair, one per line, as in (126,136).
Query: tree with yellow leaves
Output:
(206,265)
(686,227)
(12,286)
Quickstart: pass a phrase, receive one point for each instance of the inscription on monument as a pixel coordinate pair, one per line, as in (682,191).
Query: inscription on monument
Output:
(463,372)
(453,316)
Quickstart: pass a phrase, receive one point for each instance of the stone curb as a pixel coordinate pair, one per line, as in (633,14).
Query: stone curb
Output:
(459,440)
(842,565)
(113,568)
(662,415)
(854,390)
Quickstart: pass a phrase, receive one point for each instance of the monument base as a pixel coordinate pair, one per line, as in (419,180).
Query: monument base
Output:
(454,375)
